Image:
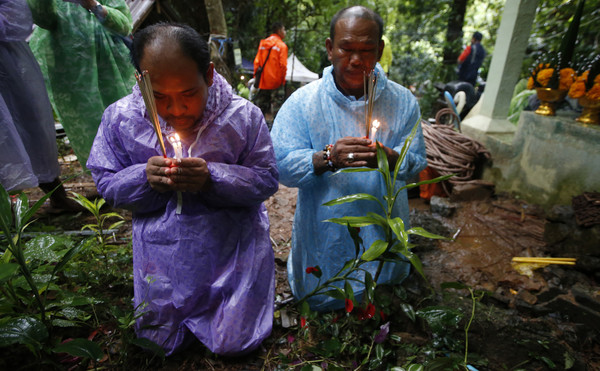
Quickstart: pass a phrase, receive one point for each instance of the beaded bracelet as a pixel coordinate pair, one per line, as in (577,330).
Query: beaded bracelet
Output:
(327,157)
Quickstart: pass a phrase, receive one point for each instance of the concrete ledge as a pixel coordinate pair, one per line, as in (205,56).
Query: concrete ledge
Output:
(479,124)
(547,161)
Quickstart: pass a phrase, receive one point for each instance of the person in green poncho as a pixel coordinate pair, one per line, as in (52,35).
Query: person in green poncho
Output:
(86,65)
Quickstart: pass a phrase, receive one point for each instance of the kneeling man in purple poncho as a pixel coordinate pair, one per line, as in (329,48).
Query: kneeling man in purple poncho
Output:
(203,264)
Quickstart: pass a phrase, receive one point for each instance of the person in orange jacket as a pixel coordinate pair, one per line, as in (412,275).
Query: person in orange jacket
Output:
(272,57)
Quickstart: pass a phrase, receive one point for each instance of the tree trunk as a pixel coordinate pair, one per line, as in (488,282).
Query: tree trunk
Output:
(218,30)
(454,34)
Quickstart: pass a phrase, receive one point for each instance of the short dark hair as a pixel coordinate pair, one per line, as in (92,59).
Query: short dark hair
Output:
(276,26)
(477,36)
(189,40)
(363,12)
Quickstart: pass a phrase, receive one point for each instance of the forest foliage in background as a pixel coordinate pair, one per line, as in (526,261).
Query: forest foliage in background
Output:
(418,31)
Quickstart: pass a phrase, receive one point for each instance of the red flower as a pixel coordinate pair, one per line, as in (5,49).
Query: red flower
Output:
(366,313)
(302,322)
(349,305)
(370,311)
(382,315)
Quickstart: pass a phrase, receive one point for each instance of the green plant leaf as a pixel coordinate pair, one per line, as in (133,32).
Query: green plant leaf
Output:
(83,201)
(409,310)
(379,352)
(59,322)
(428,181)
(351,198)
(28,331)
(347,265)
(42,249)
(348,290)
(148,344)
(328,348)
(548,361)
(381,220)
(6,215)
(318,273)
(377,248)
(7,270)
(354,233)
(20,207)
(369,286)
(397,226)
(81,348)
(336,293)
(111,215)
(423,233)
(92,227)
(440,319)
(71,253)
(354,221)
(383,165)
(28,212)
(305,309)
(415,367)
(415,261)
(116,225)
(404,150)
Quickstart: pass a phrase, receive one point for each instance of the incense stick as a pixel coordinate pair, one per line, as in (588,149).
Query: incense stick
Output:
(543,260)
(369,88)
(143,81)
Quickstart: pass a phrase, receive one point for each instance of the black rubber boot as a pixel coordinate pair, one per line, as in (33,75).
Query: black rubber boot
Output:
(59,199)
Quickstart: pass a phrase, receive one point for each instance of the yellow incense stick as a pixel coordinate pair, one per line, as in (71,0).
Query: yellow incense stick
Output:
(143,81)
(534,260)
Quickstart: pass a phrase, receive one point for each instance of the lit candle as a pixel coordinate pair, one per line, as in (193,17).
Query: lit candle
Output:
(176,143)
(177,147)
(374,127)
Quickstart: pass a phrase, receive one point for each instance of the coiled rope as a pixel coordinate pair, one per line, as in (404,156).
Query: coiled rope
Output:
(450,152)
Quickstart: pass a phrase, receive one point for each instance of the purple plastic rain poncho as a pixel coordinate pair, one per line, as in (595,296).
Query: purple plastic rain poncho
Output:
(28,136)
(312,117)
(208,271)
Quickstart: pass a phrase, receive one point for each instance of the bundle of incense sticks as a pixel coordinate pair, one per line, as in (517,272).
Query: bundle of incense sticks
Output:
(369,87)
(143,81)
(543,260)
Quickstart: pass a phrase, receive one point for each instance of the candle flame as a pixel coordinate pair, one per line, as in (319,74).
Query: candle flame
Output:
(374,126)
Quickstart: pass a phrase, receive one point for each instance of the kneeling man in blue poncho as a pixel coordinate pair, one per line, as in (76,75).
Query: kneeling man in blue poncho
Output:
(203,266)
(321,128)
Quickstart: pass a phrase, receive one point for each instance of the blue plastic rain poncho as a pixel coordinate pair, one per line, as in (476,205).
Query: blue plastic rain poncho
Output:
(28,137)
(208,271)
(314,116)
(85,63)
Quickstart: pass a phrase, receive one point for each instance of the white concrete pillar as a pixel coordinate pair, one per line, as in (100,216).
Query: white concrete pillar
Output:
(505,68)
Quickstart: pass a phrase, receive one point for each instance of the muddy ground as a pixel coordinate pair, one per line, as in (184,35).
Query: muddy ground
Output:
(551,314)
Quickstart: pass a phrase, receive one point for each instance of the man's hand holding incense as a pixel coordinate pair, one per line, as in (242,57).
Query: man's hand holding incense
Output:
(168,174)
(353,152)
(189,175)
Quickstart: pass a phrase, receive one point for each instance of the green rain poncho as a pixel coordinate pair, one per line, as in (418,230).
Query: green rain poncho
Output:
(85,63)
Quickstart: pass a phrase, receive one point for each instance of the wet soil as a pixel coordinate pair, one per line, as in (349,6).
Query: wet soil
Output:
(550,317)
